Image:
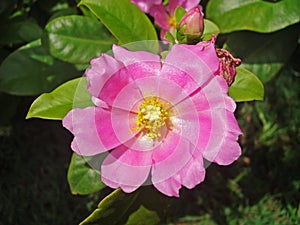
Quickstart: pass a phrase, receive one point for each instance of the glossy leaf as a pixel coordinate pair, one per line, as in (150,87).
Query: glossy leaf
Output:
(254,15)
(123,19)
(82,178)
(113,210)
(76,39)
(246,87)
(30,70)
(179,13)
(263,54)
(209,29)
(55,105)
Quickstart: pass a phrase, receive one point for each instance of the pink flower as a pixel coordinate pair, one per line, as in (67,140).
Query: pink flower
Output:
(160,118)
(145,5)
(164,15)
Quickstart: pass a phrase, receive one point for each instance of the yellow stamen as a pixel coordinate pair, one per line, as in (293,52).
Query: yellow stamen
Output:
(172,22)
(152,116)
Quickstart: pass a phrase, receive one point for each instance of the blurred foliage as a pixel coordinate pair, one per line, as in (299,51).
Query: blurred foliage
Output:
(262,187)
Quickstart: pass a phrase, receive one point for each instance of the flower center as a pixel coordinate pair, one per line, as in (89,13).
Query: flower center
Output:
(152,115)
(172,22)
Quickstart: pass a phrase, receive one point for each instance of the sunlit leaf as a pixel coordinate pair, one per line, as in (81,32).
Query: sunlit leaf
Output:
(246,87)
(55,105)
(179,13)
(76,39)
(124,20)
(209,29)
(254,15)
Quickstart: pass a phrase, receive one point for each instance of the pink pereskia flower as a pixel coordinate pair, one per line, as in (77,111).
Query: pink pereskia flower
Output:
(159,117)
(164,15)
(146,5)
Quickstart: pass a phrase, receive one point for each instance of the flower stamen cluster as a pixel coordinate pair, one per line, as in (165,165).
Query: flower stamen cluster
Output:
(152,116)
(172,22)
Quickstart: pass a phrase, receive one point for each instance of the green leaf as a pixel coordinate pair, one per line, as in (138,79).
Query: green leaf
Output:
(76,39)
(209,29)
(16,32)
(169,37)
(143,216)
(179,13)
(263,54)
(82,178)
(30,70)
(113,210)
(144,206)
(55,105)
(254,15)
(246,87)
(124,20)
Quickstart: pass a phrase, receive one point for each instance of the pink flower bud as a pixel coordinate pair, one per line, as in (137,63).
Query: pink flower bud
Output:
(227,65)
(191,26)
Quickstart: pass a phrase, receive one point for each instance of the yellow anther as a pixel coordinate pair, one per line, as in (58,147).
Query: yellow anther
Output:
(152,116)
(172,22)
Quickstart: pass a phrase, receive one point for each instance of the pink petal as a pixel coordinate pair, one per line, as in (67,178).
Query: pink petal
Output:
(142,143)
(114,185)
(185,122)
(145,5)
(92,129)
(161,87)
(178,76)
(122,122)
(169,187)
(170,157)
(166,147)
(193,173)
(160,15)
(114,85)
(171,91)
(192,125)
(125,168)
(189,176)
(206,52)
(223,147)
(212,96)
(132,157)
(186,60)
(130,57)
(211,105)
(108,76)
(128,98)
(102,69)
